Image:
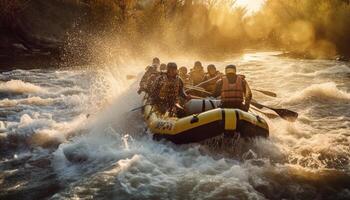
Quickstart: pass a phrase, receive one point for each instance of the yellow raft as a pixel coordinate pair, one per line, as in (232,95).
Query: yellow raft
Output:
(205,125)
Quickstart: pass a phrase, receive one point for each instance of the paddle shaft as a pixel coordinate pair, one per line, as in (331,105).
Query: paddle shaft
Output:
(199,90)
(268,93)
(269,115)
(138,108)
(206,81)
(284,113)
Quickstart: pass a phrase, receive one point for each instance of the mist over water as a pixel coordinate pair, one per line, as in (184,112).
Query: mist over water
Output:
(68,134)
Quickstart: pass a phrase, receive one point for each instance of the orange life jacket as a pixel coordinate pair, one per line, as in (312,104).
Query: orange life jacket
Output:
(232,93)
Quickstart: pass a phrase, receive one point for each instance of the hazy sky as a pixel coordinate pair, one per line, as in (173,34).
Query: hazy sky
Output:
(251,5)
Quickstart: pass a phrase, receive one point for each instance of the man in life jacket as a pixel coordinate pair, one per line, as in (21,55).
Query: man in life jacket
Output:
(197,73)
(211,77)
(168,90)
(150,71)
(184,76)
(233,89)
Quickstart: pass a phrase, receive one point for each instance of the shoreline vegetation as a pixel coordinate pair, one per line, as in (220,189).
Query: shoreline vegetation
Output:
(78,32)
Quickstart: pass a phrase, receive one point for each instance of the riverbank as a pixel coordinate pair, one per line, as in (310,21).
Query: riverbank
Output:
(64,33)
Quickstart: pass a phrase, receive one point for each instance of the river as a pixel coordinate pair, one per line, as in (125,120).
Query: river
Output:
(68,134)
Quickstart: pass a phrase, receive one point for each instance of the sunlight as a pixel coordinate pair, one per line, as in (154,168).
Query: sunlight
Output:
(251,5)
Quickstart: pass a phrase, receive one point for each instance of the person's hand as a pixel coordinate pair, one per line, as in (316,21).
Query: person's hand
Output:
(247,105)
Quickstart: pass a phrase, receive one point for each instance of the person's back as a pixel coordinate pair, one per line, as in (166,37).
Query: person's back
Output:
(184,76)
(233,89)
(211,77)
(197,73)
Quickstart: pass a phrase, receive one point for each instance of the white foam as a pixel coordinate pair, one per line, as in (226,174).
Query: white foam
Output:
(38,101)
(18,86)
(323,91)
(342,69)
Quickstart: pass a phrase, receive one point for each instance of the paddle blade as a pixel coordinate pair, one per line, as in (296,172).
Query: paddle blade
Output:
(138,108)
(284,113)
(287,114)
(256,104)
(270,115)
(268,93)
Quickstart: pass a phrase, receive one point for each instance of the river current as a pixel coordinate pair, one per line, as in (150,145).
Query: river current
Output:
(68,134)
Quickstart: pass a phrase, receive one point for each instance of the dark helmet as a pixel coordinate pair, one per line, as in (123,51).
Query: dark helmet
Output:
(211,66)
(171,65)
(230,69)
(198,64)
(156,61)
(183,70)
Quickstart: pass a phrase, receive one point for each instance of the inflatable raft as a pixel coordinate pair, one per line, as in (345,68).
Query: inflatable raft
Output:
(209,123)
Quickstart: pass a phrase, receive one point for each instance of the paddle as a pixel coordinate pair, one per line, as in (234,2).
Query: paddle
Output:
(206,81)
(200,89)
(197,89)
(268,93)
(284,113)
(177,105)
(269,115)
(138,108)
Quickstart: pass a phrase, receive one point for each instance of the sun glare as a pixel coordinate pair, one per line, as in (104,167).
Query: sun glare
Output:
(251,5)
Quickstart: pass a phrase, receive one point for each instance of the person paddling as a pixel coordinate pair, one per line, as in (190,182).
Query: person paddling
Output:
(167,91)
(233,89)
(197,73)
(150,71)
(184,76)
(211,77)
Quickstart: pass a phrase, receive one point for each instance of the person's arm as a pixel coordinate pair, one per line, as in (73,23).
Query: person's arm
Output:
(247,95)
(182,91)
(218,87)
(248,92)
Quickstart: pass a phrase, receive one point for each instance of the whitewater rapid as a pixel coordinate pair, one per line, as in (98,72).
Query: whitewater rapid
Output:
(68,134)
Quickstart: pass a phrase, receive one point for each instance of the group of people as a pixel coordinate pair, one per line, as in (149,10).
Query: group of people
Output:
(165,86)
